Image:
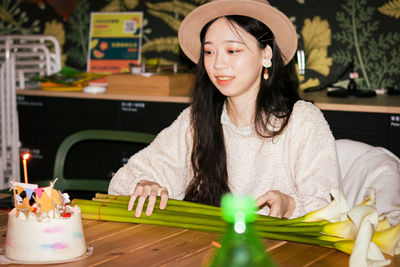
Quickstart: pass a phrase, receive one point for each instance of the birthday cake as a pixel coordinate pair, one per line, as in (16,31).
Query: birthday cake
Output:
(43,227)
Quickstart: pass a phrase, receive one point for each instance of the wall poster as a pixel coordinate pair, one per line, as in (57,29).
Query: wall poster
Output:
(115,41)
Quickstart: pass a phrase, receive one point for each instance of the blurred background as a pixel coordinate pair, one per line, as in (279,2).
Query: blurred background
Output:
(331,33)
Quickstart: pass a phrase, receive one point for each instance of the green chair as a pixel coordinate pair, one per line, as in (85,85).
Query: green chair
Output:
(63,183)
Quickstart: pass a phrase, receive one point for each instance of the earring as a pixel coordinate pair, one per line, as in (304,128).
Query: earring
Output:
(266,63)
(265,75)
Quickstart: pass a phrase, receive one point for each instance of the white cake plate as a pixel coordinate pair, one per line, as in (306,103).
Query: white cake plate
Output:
(5,260)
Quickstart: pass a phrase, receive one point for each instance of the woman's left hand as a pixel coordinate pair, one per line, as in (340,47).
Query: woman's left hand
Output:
(281,205)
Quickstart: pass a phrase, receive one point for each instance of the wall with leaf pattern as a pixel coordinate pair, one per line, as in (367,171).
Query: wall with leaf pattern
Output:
(332,33)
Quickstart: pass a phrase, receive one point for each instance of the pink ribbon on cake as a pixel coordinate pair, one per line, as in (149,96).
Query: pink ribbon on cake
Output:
(38,191)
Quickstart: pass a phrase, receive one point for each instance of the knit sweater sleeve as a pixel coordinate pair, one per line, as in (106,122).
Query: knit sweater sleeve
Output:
(164,161)
(314,159)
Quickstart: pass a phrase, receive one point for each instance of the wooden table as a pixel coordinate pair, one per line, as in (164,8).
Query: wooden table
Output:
(126,244)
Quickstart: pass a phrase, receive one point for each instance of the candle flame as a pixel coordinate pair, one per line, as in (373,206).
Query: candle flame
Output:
(26,156)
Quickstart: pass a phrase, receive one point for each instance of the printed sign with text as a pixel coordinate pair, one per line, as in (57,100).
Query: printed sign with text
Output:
(115,41)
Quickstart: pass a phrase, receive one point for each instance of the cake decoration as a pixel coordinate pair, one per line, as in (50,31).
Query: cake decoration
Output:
(43,227)
(42,202)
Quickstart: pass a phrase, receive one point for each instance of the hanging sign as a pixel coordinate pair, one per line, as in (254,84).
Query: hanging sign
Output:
(115,41)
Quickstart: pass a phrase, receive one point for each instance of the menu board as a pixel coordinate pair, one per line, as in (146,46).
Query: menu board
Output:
(115,41)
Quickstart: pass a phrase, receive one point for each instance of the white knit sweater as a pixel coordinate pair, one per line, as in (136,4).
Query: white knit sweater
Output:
(302,162)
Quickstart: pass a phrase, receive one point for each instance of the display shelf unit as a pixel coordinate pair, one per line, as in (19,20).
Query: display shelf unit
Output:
(46,118)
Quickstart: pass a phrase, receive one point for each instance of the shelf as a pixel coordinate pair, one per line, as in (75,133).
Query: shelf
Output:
(105,96)
(378,104)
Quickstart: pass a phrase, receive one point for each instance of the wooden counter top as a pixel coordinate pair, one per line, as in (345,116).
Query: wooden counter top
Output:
(105,96)
(378,104)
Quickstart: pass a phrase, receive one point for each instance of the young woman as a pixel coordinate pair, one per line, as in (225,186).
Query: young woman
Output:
(247,131)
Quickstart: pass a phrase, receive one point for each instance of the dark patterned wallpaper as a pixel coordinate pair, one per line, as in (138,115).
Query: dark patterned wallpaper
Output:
(332,33)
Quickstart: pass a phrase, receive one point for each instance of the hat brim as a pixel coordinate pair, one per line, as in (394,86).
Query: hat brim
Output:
(280,25)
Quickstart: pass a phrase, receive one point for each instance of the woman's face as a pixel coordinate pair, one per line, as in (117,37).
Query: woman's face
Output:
(232,59)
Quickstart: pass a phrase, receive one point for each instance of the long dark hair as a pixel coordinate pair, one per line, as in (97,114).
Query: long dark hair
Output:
(276,98)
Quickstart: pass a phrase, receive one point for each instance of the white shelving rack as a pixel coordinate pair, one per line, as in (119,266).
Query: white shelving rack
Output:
(21,58)
(35,55)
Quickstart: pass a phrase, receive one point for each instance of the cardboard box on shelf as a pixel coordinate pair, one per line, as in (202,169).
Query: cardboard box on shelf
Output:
(151,85)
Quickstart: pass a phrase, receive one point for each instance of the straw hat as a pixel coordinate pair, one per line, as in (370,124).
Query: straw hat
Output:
(280,25)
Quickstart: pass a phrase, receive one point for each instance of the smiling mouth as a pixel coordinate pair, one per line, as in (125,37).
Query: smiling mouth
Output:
(224,78)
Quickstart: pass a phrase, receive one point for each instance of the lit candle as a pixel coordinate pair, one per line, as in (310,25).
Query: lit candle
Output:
(15,199)
(24,158)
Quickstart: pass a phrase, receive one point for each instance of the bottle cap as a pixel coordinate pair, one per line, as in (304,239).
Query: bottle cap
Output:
(238,208)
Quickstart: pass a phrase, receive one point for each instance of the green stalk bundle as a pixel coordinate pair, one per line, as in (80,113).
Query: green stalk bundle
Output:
(144,220)
(195,216)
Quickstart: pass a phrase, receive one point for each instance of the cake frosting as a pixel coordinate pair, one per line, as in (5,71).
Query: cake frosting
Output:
(49,230)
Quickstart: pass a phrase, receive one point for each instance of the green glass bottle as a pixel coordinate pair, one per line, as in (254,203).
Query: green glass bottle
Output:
(240,245)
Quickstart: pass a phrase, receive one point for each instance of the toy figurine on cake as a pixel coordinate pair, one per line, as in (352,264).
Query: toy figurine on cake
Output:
(43,227)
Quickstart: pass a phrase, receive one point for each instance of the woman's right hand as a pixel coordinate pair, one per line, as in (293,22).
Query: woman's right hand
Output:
(146,189)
